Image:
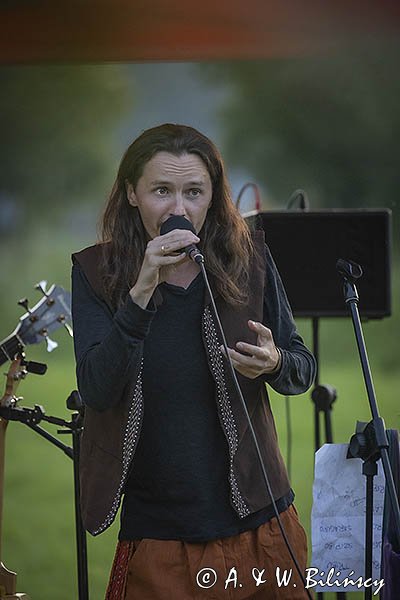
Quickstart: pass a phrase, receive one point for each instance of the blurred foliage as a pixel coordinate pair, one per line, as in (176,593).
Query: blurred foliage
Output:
(56,122)
(60,127)
(327,124)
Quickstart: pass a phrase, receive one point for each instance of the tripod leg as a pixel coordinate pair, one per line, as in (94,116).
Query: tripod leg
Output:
(81,545)
(328,426)
(317,429)
(369,469)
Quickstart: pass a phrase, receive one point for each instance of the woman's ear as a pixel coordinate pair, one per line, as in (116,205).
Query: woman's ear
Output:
(130,193)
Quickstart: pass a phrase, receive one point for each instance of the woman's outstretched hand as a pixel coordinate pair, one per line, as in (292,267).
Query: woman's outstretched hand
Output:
(253,361)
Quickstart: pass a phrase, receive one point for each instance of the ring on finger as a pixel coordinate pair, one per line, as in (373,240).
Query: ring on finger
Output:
(164,249)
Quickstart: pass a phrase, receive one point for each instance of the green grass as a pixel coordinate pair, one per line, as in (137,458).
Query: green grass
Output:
(38,520)
(39,540)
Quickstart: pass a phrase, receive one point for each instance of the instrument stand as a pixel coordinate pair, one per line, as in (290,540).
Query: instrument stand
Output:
(323,397)
(370,441)
(7,591)
(31,417)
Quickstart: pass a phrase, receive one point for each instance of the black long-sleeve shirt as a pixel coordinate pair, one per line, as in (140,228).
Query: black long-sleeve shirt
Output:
(105,344)
(178,486)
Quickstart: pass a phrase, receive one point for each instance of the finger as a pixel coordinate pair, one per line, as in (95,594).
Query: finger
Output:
(258,351)
(244,360)
(157,242)
(264,333)
(259,328)
(177,236)
(179,233)
(157,261)
(247,371)
(171,247)
(244,370)
(171,260)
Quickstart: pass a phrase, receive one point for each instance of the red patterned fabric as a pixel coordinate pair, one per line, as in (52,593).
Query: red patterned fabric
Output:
(151,569)
(117,584)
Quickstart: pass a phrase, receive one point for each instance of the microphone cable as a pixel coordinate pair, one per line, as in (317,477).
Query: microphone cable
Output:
(200,261)
(288,436)
(257,200)
(194,253)
(257,195)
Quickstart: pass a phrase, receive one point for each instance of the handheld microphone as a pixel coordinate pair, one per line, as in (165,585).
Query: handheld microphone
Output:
(179,222)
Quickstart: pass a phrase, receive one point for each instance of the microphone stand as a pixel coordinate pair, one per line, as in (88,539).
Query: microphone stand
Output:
(31,417)
(370,441)
(198,258)
(194,254)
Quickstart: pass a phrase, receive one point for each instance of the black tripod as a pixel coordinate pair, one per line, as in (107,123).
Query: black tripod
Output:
(31,417)
(370,443)
(323,397)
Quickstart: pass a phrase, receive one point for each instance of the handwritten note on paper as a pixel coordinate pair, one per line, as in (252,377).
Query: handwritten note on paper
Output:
(338,517)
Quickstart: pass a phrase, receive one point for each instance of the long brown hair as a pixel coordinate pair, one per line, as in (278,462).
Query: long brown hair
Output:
(225,237)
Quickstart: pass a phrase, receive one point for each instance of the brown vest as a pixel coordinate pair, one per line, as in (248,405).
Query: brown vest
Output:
(110,437)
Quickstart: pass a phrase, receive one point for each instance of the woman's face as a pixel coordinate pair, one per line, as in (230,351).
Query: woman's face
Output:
(172,185)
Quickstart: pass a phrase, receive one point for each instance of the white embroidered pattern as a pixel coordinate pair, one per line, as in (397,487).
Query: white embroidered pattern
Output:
(228,419)
(130,438)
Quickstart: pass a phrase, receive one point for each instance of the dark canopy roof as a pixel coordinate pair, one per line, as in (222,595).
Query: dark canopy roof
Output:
(190,30)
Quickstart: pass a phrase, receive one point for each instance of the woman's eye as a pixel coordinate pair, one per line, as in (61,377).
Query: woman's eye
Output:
(162,191)
(194,192)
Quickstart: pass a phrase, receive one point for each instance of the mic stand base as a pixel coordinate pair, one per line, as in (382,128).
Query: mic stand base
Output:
(363,444)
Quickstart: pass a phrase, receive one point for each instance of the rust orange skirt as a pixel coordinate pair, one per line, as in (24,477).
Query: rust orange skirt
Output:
(222,569)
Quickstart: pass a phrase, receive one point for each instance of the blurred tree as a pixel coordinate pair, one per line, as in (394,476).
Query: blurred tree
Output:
(56,124)
(327,124)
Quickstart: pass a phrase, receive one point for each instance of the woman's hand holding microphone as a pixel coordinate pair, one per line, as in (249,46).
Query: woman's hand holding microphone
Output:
(162,255)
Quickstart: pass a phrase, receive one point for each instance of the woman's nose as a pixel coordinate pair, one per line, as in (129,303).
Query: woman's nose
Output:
(178,207)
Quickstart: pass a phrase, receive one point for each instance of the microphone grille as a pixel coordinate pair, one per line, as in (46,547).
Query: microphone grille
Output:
(176,222)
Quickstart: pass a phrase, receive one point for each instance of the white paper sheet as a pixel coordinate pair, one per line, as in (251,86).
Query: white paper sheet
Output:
(338,519)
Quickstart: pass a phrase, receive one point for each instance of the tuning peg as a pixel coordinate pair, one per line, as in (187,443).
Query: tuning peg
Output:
(51,344)
(41,286)
(21,374)
(69,329)
(61,319)
(11,401)
(24,303)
